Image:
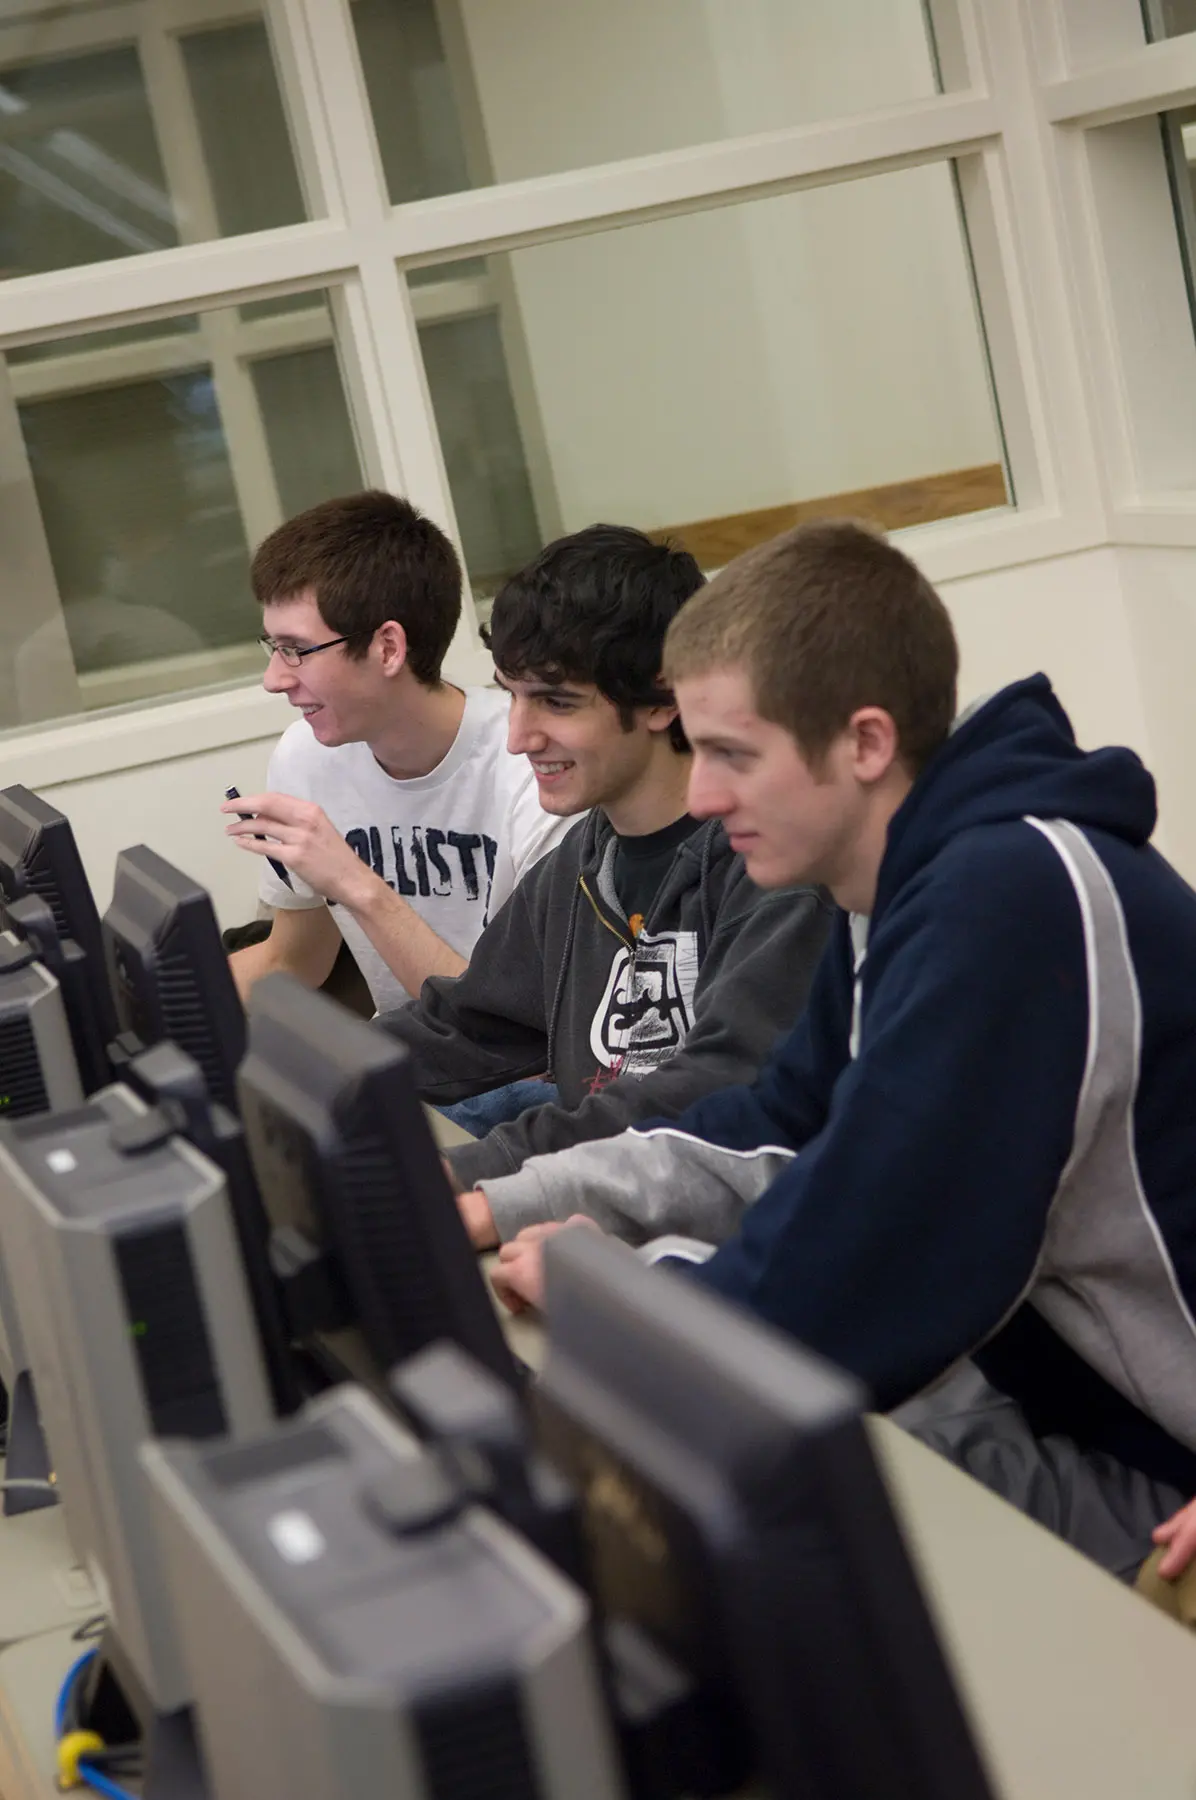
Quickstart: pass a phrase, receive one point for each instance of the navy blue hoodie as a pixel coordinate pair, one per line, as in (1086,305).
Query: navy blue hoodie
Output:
(994,1108)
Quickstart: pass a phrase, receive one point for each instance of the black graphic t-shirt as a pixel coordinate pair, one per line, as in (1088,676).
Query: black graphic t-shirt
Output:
(641,864)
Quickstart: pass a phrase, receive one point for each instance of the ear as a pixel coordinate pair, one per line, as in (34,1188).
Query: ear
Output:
(659,718)
(390,644)
(874,745)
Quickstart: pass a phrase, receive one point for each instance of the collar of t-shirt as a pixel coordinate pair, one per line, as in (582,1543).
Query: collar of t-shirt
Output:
(641,864)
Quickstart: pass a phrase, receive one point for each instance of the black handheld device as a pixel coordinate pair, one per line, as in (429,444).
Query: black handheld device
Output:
(280,869)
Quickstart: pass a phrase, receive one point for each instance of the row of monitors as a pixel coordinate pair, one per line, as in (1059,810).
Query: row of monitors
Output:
(735,1523)
(153,968)
(345,1222)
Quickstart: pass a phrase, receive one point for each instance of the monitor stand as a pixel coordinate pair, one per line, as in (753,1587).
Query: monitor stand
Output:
(27,1456)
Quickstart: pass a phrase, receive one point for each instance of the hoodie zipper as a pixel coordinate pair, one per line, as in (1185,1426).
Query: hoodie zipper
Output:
(628,943)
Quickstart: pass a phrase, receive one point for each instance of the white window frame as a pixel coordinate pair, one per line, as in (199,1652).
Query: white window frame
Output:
(1091,404)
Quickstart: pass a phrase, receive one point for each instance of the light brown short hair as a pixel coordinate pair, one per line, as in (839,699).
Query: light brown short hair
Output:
(824,620)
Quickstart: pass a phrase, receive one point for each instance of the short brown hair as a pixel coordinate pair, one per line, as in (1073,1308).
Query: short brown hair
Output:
(368,558)
(825,620)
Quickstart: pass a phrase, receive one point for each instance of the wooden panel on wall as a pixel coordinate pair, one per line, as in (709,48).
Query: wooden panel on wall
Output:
(715,541)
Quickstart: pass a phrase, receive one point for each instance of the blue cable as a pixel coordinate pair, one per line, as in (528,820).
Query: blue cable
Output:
(95,1778)
(64,1692)
(103,1784)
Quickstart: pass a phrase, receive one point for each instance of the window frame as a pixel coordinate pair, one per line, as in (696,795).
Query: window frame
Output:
(1087,409)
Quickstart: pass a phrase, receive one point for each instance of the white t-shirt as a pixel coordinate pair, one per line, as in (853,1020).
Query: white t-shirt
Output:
(453,842)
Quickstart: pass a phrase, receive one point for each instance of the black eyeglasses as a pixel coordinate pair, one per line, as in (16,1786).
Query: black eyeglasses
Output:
(291,654)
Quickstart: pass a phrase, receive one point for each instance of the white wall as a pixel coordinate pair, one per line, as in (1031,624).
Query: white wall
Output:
(147,775)
(174,808)
(1115,629)
(757,354)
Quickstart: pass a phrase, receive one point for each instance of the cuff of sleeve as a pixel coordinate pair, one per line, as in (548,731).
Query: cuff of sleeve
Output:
(473,1162)
(519,1200)
(675,1249)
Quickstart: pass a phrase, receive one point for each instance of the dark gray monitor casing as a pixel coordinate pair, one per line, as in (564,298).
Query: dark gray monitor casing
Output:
(136,1319)
(333,1658)
(37,1072)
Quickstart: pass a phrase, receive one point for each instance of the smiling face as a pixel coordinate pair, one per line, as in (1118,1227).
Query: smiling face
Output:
(790,823)
(579,750)
(343,698)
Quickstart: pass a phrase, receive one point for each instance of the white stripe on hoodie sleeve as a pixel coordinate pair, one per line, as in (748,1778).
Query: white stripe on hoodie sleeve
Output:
(638,1186)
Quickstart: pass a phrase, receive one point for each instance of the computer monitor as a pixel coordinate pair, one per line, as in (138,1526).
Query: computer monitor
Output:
(394,1641)
(39,856)
(168,1079)
(366,1237)
(169,971)
(739,1527)
(120,1250)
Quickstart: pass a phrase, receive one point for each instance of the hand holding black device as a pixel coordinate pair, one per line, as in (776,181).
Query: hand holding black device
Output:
(280,869)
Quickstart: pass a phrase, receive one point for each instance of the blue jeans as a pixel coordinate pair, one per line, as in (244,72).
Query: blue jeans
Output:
(481,1112)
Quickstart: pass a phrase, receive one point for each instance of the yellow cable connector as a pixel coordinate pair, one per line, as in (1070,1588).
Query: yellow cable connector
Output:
(70,1748)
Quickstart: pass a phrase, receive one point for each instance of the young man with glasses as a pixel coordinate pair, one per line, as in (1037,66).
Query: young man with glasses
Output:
(393,805)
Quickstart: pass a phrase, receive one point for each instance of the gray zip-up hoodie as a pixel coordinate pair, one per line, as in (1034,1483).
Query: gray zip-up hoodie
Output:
(628,1028)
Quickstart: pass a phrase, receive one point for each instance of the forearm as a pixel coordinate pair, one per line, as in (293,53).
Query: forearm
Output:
(542,1130)
(249,965)
(637,1186)
(303,942)
(407,944)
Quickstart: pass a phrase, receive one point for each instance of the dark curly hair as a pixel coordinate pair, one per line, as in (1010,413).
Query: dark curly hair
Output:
(595,606)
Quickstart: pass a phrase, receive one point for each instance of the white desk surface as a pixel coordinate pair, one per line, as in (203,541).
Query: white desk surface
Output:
(41,1585)
(30,1677)
(1078,1690)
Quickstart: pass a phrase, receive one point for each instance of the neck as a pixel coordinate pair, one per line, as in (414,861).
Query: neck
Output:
(420,728)
(658,797)
(855,889)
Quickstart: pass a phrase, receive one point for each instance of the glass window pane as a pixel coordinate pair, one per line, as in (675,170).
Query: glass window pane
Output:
(151,470)
(137,499)
(417,110)
(247,153)
(81,175)
(1169,18)
(96,156)
(530,87)
(308,428)
(720,375)
(483,449)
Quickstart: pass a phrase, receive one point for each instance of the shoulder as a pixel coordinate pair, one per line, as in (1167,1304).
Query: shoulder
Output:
(486,760)
(1009,889)
(485,718)
(990,864)
(565,860)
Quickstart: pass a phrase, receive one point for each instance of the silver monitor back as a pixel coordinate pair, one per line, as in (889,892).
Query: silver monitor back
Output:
(136,1319)
(381,1660)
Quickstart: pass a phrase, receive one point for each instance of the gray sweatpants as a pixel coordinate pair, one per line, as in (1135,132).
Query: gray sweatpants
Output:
(1087,1498)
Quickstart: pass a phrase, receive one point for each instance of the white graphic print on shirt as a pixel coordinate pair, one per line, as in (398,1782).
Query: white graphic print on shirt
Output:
(646,1009)
(453,842)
